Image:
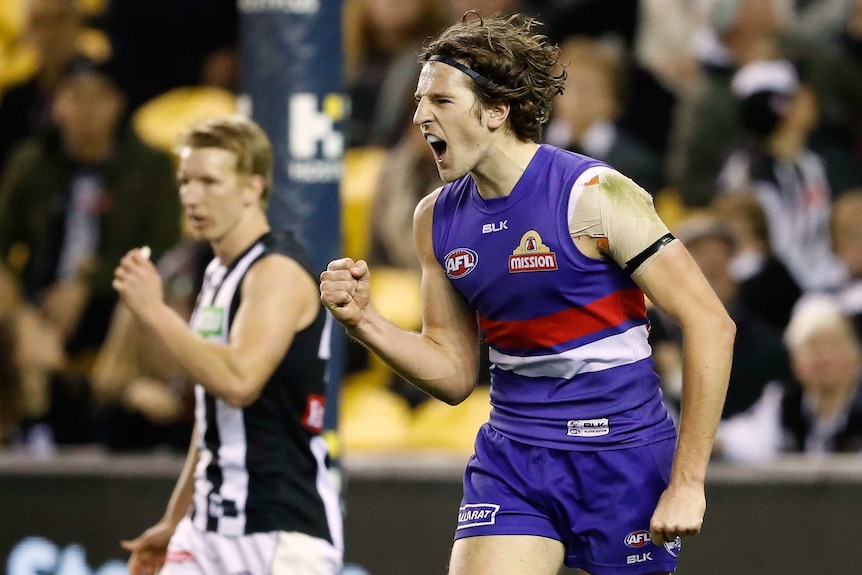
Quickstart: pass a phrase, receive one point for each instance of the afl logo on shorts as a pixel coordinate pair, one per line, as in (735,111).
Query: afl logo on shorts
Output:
(638,538)
(460,262)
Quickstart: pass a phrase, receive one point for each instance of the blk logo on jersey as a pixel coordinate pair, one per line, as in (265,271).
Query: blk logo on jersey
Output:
(460,262)
(532,255)
(496,227)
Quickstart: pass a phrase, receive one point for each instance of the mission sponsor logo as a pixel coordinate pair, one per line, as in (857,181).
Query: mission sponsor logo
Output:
(475,514)
(532,255)
(460,262)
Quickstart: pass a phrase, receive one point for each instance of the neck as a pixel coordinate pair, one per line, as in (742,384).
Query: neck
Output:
(786,145)
(829,403)
(501,169)
(90,151)
(243,234)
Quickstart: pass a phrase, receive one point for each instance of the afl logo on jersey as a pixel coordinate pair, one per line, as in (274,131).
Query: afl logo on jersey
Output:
(460,262)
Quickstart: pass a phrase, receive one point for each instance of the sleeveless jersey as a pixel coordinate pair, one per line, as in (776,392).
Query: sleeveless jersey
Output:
(264,467)
(571,367)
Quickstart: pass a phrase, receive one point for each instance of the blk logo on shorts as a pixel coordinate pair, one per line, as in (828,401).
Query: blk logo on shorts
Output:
(588,427)
(475,514)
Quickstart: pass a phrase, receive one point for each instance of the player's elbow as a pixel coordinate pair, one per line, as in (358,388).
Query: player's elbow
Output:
(457,392)
(241,394)
(725,327)
(713,319)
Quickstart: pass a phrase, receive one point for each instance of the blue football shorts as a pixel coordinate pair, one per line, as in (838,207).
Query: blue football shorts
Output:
(597,503)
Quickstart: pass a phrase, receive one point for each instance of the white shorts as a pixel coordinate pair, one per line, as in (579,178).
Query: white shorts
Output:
(194,552)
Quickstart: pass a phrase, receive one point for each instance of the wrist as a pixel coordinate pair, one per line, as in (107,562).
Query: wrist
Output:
(151,315)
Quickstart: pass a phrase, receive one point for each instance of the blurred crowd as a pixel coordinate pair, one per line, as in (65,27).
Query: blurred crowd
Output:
(742,118)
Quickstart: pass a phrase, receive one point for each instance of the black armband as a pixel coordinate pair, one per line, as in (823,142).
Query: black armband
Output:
(654,248)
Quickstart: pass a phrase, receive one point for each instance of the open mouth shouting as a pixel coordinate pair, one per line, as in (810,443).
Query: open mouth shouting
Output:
(438,146)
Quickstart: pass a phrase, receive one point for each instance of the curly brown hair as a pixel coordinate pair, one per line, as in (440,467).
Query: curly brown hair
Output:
(520,64)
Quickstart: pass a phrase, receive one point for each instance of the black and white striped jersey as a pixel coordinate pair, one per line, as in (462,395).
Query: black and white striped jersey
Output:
(264,467)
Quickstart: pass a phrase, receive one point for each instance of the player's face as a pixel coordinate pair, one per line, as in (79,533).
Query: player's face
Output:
(212,193)
(451,119)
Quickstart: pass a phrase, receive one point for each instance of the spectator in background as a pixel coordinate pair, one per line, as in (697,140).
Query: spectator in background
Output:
(846,234)
(778,113)
(381,41)
(823,414)
(163,44)
(586,115)
(705,127)
(31,351)
(142,396)
(758,353)
(72,201)
(832,63)
(53,27)
(646,116)
(766,287)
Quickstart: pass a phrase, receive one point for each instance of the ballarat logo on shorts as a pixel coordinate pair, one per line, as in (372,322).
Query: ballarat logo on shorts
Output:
(532,255)
(637,539)
(460,262)
(588,427)
(475,514)
(674,546)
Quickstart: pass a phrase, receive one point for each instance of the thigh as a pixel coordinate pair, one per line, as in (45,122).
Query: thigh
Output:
(506,555)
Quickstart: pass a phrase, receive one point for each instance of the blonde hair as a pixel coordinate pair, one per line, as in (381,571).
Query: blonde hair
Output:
(239,135)
(812,315)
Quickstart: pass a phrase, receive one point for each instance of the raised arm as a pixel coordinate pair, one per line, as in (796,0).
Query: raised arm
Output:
(443,359)
(278,299)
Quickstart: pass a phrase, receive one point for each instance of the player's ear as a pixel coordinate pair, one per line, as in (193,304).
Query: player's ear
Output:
(254,187)
(497,114)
